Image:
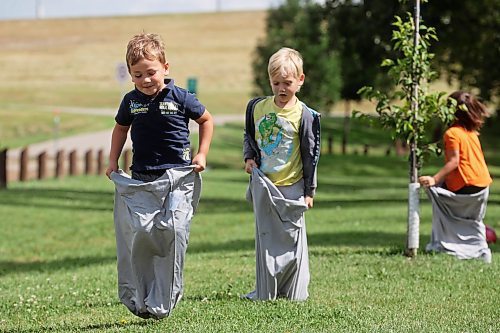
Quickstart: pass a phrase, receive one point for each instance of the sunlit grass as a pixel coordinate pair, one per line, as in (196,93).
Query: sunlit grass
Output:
(58,263)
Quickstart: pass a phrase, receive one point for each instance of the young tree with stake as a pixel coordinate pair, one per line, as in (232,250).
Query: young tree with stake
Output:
(410,109)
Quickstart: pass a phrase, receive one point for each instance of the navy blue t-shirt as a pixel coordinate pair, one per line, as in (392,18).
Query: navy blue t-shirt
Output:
(159,126)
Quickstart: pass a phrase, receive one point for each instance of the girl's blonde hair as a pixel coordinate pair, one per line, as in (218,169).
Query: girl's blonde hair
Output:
(284,62)
(145,46)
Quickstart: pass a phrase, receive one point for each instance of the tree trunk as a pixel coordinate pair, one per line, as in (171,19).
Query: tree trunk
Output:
(347,122)
(413,188)
(3,169)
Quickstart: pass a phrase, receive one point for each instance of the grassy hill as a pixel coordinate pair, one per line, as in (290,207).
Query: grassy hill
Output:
(48,65)
(72,62)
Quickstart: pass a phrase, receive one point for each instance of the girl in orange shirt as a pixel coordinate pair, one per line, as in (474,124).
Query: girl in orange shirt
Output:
(459,207)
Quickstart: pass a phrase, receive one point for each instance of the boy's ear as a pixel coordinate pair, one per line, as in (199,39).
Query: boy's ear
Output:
(302,77)
(166,66)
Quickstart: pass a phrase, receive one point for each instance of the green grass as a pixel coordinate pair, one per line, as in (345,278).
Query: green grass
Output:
(58,264)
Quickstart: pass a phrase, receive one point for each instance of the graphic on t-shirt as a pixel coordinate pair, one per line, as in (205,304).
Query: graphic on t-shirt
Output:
(138,107)
(168,108)
(275,145)
(186,154)
(267,127)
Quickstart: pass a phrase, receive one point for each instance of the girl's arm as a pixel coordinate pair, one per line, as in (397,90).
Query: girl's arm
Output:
(450,165)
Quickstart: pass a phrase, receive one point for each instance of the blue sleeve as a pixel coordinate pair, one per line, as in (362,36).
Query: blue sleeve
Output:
(124,117)
(193,108)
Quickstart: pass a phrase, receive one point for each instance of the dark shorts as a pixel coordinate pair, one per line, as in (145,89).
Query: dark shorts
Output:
(469,190)
(148,175)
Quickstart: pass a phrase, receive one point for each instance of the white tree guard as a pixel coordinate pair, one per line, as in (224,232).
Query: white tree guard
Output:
(413,216)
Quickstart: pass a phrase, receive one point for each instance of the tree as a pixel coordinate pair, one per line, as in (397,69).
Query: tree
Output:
(415,109)
(469,47)
(359,31)
(467,53)
(301,25)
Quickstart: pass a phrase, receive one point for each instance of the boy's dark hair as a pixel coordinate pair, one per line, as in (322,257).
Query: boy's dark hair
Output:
(470,112)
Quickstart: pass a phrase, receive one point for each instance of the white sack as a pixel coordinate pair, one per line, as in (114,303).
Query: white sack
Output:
(457,223)
(152,230)
(282,262)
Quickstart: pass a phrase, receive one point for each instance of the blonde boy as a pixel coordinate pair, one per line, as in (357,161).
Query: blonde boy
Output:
(281,152)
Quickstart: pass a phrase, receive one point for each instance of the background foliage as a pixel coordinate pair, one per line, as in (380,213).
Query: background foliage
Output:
(469,39)
(410,112)
(358,35)
(301,25)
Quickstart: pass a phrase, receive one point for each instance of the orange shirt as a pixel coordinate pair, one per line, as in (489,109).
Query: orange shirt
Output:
(472,169)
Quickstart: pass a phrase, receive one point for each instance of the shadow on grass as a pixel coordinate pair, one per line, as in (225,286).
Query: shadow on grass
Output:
(227,205)
(58,199)
(362,203)
(347,185)
(360,242)
(372,242)
(127,326)
(9,267)
(333,239)
(375,201)
(217,205)
(225,178)
(103,200)
(223,205)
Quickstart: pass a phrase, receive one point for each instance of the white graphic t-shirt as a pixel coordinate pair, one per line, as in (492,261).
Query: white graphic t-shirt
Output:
(277,135)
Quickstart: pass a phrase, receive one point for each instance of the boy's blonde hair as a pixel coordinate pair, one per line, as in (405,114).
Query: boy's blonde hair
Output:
(285,61)
(145,46)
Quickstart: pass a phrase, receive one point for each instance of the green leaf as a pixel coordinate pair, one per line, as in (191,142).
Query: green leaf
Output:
(387,63)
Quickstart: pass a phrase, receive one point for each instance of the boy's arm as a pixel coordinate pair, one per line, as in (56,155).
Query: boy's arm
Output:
(310,143)
(249,165)
(206,129)
(118,138)
(309,201)
(250,149)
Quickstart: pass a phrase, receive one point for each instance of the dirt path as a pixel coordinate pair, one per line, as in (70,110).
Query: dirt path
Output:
(98,140)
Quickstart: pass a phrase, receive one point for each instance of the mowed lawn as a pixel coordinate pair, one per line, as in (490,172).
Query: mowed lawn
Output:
(58,263)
